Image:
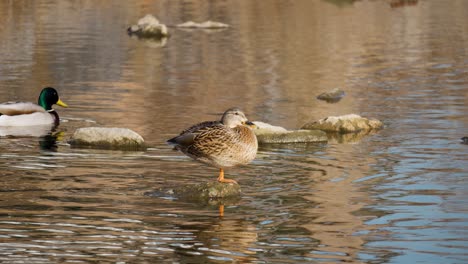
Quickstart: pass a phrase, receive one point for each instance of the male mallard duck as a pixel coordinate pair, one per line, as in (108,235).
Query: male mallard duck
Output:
(221,144)
(15,114)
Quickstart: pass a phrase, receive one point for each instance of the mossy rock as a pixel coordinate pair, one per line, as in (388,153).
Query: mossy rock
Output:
(345,124)
(209,190)
(349,138)
(207,193)
(270,134)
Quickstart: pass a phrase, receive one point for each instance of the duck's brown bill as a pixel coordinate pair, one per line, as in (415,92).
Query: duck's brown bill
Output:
(250,124)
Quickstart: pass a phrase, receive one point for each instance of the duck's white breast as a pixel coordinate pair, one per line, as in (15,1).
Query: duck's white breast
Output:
(33,119)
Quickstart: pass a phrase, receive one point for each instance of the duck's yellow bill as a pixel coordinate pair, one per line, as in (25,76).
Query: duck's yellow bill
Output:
(62,104)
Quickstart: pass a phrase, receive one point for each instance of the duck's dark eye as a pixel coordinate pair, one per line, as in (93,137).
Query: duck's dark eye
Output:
(236,113)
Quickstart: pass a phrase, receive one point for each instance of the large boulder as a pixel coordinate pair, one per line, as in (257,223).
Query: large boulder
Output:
(344,124)
(267,134)
(149,27)
(107,138)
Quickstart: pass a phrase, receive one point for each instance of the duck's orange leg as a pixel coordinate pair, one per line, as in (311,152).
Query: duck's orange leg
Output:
(221,177)
(221,210)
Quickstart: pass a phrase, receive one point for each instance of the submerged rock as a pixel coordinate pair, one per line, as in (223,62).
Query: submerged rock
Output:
(107,138)
(345,124)
(207,25)
(149,27)
(332,96)
(349,138)
(210,192)
(267,133)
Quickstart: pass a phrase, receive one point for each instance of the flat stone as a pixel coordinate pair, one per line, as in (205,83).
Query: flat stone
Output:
(263,127)
(268,134)
(206,25)
(107,138)
(344,124)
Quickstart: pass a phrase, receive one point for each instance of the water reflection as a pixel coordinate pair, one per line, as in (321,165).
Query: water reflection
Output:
(46,135)
(403,3)
(152,42)
(396,196)
(49,142)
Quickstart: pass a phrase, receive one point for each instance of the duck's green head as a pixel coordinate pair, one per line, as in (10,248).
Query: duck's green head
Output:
(49,97)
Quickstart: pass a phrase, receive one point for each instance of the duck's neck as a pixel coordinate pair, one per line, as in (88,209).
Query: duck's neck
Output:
(55,116)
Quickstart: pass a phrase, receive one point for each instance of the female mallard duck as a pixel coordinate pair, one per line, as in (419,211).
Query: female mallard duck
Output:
(222,144)
(14,114)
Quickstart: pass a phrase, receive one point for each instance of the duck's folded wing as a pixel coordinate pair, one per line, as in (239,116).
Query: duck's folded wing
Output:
(19,108)
(213,141)
(186,137)
(200,127)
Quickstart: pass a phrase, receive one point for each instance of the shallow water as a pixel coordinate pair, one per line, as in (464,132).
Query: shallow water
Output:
(396,196)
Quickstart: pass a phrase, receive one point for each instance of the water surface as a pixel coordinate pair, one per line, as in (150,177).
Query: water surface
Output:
(396,196)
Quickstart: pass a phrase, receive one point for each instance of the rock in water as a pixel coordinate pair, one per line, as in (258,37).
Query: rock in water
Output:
(149,27)
(148,20)
(345,124)
(206,25)
(267,133)
(293,136)
(210,192)
(332,96)
(107,138)
(263,127)
(349,138)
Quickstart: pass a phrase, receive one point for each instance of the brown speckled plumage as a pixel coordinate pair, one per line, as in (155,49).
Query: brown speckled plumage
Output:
(221,144)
